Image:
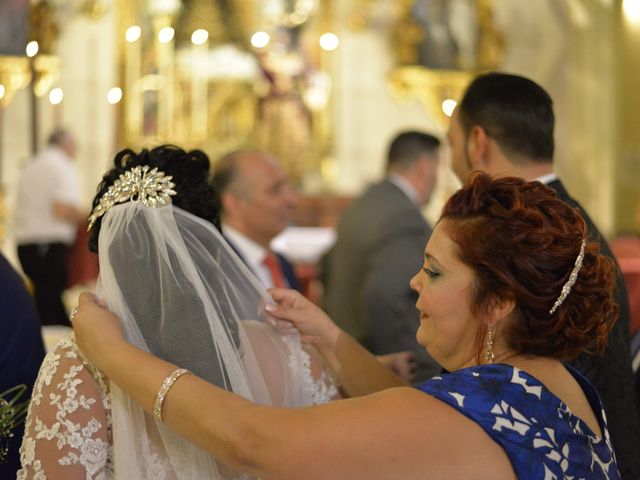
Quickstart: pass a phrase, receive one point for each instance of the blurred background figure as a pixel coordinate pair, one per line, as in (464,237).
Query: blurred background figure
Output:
(257,204)
(21,350)
(48,210)
(380,240)
(626,248)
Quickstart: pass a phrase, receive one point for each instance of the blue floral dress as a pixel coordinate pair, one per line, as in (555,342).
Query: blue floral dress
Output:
(537,431)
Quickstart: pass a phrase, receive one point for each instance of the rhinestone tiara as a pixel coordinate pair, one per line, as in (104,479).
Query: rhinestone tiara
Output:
(152,188)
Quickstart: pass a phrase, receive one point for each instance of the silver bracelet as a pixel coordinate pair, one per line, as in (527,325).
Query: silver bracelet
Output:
(164,389)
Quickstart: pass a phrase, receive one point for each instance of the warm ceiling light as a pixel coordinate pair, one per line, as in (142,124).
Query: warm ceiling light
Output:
(165,35)
(114,95)
(55,96)
(133,33)
(631,9)
(329,41)
(1,91)
(32,48)
(448,106)
(198,37)
(260,39)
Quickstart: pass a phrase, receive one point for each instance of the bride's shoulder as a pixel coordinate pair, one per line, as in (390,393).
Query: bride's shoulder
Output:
(69,414)
(66,359)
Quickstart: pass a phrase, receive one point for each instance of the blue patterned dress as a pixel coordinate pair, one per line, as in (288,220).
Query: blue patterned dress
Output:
(537,431)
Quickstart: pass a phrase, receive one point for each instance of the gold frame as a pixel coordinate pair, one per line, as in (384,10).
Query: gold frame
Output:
(231,113)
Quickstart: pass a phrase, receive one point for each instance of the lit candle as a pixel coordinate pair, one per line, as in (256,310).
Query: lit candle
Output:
(165,60)
(199,48)
(55,98)
(133,109)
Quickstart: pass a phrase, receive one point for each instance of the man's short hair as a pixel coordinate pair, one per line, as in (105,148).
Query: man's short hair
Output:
(515,111)
(227,174)
(225,171)
(408,146)
(57,136)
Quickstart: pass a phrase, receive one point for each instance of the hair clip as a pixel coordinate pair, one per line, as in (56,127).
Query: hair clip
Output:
(152,188)
(566,288)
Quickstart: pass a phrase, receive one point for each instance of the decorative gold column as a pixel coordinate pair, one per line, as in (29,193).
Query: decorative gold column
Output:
(627,193)
(164,43)
(199,85)
(132,75)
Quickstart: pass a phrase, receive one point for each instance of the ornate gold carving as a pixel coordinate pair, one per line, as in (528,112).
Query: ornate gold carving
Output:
(17,73)
(430,87)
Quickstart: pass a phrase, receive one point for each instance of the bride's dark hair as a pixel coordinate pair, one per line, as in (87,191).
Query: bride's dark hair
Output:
(190,171)
(147,266)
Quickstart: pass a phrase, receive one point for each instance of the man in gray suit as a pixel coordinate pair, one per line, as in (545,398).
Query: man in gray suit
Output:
(380,246)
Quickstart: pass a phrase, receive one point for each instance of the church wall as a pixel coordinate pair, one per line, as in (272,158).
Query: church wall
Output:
(86,49)
(573,56)
(568,47)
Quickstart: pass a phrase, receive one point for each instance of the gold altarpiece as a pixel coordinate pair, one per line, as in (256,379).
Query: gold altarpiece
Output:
(438,50)
(218,92)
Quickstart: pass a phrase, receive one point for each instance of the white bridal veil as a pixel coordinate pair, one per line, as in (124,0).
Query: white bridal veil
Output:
(182,294)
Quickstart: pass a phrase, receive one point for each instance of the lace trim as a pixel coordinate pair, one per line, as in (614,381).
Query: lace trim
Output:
(61,394)
(315,392)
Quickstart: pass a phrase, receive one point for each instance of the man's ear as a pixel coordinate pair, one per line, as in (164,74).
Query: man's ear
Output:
(230,203)
(478,147)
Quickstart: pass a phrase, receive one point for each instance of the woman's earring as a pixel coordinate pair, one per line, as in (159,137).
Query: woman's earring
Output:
(489,356)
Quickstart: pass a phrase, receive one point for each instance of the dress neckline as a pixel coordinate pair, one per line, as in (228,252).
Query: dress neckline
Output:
(588,390)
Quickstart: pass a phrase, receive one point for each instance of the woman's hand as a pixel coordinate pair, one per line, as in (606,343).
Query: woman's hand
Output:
(402,364)
(314,325)
(97,330)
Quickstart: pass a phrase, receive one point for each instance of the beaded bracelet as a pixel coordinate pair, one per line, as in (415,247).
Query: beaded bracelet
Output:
(164,389)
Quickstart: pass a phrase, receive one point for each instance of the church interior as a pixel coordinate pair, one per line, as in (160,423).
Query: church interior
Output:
(323,85)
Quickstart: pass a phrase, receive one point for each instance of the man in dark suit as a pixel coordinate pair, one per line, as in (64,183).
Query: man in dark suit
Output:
(21,350)
(504,126)
(257,203)
(380,246)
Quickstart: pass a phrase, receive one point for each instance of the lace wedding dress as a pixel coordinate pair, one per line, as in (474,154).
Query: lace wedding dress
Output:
(182,294)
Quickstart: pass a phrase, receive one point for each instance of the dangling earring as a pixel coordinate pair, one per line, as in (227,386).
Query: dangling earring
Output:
(489,356)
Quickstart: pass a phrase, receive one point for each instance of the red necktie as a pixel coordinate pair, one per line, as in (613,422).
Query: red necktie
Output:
(271,262)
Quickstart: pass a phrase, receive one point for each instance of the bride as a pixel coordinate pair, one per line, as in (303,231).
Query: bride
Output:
(183,295)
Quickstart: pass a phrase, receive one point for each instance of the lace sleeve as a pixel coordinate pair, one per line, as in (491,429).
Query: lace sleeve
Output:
(295,376)
(68,426)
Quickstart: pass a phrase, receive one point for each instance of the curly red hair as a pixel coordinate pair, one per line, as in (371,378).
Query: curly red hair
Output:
(522,241)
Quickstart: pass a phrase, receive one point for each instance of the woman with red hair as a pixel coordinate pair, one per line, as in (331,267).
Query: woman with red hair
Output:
(509,289)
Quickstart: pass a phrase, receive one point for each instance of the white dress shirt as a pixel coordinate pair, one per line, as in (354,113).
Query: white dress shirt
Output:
(252,253)
(405,186)
(50,177)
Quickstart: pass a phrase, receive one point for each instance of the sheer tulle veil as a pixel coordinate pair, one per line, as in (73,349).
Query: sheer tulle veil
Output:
(182,294)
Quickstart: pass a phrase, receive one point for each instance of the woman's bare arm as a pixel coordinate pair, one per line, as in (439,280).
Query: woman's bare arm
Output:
(398,433)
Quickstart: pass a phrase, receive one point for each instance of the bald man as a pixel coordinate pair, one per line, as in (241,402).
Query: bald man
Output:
(257,204)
